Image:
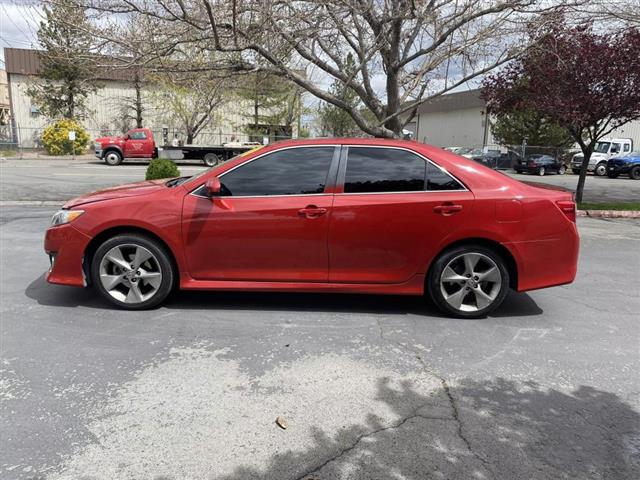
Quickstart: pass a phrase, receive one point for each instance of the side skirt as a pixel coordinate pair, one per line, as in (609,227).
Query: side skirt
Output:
(414,286)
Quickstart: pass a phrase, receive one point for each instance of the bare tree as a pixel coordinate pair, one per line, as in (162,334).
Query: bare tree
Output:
(406,51)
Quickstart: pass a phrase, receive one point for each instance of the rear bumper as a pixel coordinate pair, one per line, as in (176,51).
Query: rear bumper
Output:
(548,262)
(525,168)
(66,246)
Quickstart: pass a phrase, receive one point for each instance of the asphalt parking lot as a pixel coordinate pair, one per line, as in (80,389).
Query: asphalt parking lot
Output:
(58,180)
(370,387)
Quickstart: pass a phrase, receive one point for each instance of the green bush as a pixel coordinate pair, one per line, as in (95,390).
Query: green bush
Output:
(55,138)
(161,168)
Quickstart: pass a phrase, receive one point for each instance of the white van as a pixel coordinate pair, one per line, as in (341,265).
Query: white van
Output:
(603,151)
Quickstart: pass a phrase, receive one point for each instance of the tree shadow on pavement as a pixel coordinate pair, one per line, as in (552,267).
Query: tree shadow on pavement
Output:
(516,304)
(492,430)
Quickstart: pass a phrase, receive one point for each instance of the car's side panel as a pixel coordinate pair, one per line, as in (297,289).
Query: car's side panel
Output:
(256,238)
(383,238)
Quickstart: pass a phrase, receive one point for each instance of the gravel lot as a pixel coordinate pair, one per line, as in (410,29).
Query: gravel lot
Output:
(371,387)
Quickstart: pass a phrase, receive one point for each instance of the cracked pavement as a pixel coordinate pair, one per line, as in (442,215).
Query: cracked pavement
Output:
(371,387)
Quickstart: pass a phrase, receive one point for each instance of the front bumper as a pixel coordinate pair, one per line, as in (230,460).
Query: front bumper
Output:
(618,168)
(65,246)
(99,152)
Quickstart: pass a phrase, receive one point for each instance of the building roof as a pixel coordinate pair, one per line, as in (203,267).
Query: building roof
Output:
(453,101)
(27,62)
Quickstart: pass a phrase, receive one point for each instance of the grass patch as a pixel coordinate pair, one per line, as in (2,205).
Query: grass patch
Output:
(8,153)
(609,206)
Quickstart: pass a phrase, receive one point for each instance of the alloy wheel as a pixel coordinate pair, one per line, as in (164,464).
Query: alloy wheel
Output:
(130,273)
(112,158)
(470,282)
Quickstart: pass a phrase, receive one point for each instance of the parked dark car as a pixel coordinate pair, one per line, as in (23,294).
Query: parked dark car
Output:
(496,160)
(625,165)
(540,164)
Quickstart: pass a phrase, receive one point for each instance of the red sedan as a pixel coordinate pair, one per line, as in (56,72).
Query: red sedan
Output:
(330,215)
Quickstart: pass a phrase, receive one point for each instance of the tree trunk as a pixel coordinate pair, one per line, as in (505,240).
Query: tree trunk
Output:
(139,108)
(583,173)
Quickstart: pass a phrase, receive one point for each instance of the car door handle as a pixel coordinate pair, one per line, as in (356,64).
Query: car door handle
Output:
(312,211)
(447,209)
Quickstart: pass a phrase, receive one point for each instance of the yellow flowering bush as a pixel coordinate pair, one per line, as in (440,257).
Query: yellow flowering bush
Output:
(55,138)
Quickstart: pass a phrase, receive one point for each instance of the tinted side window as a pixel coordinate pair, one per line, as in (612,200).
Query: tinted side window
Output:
(439,180)
(287,172)
(383,170)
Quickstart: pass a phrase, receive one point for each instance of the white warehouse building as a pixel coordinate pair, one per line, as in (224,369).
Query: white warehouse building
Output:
(460,120)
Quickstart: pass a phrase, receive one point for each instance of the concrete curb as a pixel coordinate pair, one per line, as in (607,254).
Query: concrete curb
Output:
(609,213)
(31,203)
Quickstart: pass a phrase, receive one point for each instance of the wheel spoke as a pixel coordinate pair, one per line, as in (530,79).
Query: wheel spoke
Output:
(152,278)
(455,299)
(449,275)
(482,299)
(115,256)
(134,295)
(492,275)
(470,262)
(109,282)
(141,256)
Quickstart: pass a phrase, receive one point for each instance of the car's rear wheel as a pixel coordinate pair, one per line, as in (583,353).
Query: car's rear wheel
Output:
(634,173)
(468,281)
(541,171)
(132,271)
(562,170)
(113,158)
(601,169)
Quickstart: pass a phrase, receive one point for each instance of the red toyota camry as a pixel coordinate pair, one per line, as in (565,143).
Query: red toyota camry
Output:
(330,215)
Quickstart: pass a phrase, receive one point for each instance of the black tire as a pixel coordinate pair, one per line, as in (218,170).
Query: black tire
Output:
(162,257)
(211,159)
(542,171)
(112,157)
(519,171)
(601,169)
(613,174)
(576,171)
(634,173)
(436,294)
(562,170)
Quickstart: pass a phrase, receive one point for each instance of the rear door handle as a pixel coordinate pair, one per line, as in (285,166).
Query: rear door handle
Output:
(447,209)
(312,211)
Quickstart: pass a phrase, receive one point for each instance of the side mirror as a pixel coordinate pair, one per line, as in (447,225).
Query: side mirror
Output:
(213,187)
(126,136)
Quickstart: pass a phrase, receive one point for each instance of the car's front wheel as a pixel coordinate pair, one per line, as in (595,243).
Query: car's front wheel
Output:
(562,170)
(541,171)
(113,158)
(132,271)
(468,281)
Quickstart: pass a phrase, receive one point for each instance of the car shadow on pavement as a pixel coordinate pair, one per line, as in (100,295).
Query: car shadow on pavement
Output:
(516,304)
(495,429)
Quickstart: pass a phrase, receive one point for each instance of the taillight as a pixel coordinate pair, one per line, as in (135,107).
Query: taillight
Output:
(532,163)
(568,207)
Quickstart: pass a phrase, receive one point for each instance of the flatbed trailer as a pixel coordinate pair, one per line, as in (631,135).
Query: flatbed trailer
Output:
(210,154)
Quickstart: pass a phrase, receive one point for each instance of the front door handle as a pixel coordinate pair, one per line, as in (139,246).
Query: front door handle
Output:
(312,211)
(447,209)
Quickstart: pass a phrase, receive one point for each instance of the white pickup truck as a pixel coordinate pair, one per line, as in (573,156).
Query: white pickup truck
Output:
(603,151)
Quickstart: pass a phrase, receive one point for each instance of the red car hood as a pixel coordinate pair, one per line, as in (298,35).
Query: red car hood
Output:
(114,139)
(121,191)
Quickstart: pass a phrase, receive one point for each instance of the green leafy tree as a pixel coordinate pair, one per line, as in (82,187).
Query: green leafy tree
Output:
(337,121)
(513,128)
(67,61)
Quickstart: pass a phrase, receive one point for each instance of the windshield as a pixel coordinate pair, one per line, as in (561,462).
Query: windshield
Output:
(602,147)
(181,180)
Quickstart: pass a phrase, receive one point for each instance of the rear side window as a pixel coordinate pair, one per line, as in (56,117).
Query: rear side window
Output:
(383,170)
(295,171)
(440,180)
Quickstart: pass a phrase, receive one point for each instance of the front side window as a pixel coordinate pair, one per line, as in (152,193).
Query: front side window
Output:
(138,136)
(295,171)
(383,170)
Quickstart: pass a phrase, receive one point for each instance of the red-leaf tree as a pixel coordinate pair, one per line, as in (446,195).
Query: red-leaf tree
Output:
(588,83)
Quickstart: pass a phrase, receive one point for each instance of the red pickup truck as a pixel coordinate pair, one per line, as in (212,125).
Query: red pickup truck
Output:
(139,143)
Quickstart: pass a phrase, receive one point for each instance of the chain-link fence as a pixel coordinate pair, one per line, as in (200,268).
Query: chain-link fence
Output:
(507,157)
(28,139)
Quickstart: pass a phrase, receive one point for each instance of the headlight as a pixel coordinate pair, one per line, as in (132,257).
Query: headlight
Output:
(65,216)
